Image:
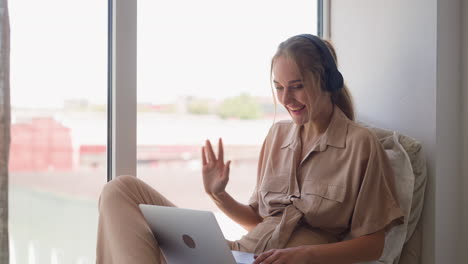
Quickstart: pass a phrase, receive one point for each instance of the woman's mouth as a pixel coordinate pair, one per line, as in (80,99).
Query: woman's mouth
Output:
(297,110)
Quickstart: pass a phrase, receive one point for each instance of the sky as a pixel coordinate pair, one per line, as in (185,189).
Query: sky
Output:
(205,48)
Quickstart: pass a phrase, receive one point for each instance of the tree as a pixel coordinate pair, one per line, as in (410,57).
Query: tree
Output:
(243,106)
(199,107)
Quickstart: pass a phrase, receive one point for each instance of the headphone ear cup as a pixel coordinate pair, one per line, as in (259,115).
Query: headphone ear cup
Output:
(332,78)
(334,81)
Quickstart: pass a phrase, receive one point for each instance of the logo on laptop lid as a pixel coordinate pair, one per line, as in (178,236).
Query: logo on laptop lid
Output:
(188,241)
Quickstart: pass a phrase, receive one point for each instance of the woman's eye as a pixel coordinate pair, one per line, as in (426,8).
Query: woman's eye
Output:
(278,88)
(297,87)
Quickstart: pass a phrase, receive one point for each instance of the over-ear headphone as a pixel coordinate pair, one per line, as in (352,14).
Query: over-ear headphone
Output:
(333,77)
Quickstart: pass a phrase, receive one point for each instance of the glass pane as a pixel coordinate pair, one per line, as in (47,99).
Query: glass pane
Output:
(203,73)
(58,144)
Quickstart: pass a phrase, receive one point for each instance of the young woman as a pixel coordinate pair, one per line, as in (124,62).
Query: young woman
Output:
(321,178)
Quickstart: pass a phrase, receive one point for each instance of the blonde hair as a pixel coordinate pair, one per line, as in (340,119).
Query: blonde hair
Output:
(310,63)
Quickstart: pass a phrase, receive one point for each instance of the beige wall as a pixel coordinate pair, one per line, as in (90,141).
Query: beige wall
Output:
(401,60)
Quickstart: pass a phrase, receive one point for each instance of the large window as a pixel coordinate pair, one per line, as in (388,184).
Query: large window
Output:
(203,73)
(58,132)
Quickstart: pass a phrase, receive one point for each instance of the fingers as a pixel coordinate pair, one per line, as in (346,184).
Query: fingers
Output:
(204,162)
(263,256)
(226,169)
(278,262)
(210,153)
(220,151)
(209,149)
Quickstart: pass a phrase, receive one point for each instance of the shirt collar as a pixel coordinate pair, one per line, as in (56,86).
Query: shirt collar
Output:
(335,135)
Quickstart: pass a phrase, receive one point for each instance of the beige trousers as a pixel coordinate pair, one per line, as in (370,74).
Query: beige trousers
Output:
(125,237)
(123,234)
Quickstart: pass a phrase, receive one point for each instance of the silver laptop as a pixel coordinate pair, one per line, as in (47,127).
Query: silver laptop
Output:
(188,236)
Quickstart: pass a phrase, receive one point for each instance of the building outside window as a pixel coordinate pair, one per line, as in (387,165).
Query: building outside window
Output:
(57,161)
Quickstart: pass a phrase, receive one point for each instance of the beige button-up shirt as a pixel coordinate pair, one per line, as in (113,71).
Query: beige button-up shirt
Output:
(343,186)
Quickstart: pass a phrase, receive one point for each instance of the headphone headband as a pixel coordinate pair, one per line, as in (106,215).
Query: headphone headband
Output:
(333,77)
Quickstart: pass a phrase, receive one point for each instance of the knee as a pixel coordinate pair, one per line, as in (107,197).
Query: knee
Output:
(125,180)
(115,188)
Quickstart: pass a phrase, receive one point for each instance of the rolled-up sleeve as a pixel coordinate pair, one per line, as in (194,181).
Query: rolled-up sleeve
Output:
(377,205)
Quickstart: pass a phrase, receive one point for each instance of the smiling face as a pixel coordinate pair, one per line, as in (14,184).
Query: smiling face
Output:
(300,99)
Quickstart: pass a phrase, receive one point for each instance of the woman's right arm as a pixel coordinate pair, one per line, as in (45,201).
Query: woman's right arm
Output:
(215,178)
(242,214)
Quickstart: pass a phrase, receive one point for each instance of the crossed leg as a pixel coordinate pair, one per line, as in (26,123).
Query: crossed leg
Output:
(123,234)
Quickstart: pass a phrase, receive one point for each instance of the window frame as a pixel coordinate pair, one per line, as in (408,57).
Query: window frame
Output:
(122,85)
(122,82)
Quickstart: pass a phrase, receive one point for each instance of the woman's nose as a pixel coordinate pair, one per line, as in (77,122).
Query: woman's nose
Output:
(286,96)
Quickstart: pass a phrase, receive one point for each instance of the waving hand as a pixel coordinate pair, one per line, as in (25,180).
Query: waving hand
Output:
(215,171)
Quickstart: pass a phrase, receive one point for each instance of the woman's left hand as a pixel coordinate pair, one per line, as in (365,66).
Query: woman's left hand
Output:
(295,255)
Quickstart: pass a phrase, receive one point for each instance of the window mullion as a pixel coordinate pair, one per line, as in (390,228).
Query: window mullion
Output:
(123,88)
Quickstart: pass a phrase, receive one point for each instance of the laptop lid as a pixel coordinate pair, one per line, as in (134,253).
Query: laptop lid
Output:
(187,236)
